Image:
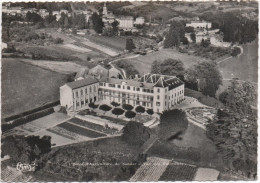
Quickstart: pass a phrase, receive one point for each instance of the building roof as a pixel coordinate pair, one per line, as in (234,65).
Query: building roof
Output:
(82,73)
(161,80)
(128,82)
(82,82)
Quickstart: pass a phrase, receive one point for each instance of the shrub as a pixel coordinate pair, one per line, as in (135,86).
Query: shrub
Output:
(105,108)
(117,111)
(127,107)
(149,111)
(136,133)
(115,104)
(58,41)
(88,58)
(130,114)
(140,109)
(235,51)
(92,105)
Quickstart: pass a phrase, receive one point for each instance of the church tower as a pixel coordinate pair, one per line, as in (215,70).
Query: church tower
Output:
(105,9)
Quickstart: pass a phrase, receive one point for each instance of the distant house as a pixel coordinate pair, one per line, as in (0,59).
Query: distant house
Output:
(139,21)
(98,72)
(82,74)
(116,72)
(126,22)
(199,24)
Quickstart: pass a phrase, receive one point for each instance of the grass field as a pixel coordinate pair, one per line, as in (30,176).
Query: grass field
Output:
(244,67)
(143,63)
(25,87)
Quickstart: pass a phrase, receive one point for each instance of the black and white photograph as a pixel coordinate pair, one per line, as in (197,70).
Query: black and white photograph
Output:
(133,91)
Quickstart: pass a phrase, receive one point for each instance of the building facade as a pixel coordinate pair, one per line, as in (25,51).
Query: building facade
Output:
(152,91)
(200,24)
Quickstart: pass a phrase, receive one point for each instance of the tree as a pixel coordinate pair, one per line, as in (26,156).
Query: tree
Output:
(58,40)
(189,29)
(235,51)
(127,107)
(129,44)
(140,109)
(97,22)
(92,105)
(130,114)
(193,37)
(117,111)
(205,73)
(115,104)
(205,43)
(81,21)
(172,67)
(66,22)
(105,108)
(149,111)
(175,34)
(135,133)
(185,41)
(155,69)
(115,26)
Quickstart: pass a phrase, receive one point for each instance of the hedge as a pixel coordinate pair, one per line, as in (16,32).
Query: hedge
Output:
(52,104)
(26,119)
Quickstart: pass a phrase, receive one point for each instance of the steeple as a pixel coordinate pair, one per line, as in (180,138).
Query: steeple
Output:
(105,9)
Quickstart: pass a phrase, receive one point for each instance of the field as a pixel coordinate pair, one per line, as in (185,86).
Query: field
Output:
(143,63)
(25,87)
(244,67)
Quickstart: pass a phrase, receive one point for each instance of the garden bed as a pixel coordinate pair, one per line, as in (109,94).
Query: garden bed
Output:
(81,131)
(93,126)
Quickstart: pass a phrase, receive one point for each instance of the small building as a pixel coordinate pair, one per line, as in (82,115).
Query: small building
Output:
(116,72)
(139,21)
(77,95)
(126,22)
(199,24)
(98,72)
(82,74)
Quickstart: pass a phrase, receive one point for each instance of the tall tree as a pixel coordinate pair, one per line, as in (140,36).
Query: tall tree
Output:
(172,67)
(155,69)
(193,37)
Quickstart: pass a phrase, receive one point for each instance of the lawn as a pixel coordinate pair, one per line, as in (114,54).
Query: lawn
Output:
(209,101)
(81,131)
(117,43)
(143,63)
(244,67)
(25,87)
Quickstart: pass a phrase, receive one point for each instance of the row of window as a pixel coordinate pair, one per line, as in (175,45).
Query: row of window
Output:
(127,87)
(125,95)
(80,92)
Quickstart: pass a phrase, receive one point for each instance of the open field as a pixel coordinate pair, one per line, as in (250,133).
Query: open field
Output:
(76,48)
(25,87)
(143,63)
(243,67)
(117,43)
(61,67)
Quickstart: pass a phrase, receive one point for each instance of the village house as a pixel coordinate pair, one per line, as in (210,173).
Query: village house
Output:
(152,91)
(199,24)
(99,72)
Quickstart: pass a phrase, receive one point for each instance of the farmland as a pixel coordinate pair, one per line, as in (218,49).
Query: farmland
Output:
(25,87)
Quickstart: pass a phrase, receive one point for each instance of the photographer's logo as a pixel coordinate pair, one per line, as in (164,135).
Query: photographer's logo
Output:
(23,167)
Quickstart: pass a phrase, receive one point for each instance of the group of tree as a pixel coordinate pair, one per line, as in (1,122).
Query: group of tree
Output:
(234,27)
(128,68)
(135,133)
(129,44)
(239,97)
(169,66)
(25,149)
(205,76)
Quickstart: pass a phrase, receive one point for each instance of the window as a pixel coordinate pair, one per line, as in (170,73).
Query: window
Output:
(123,87)
(157,103)
(137,102)
(86,90)
(73,95)
(81,92)
(128,87)
(134,88)
(144,104)
(165,97)
(90,89)
(95,89)
(158,90)
(151,91)
(137,89)
(77,95)
(112,85)
(118,86)
(158,97)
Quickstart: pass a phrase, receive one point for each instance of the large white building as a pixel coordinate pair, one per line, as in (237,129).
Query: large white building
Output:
(152,91)
(199,24)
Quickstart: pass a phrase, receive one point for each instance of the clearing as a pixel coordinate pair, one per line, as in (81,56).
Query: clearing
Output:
(143,63)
